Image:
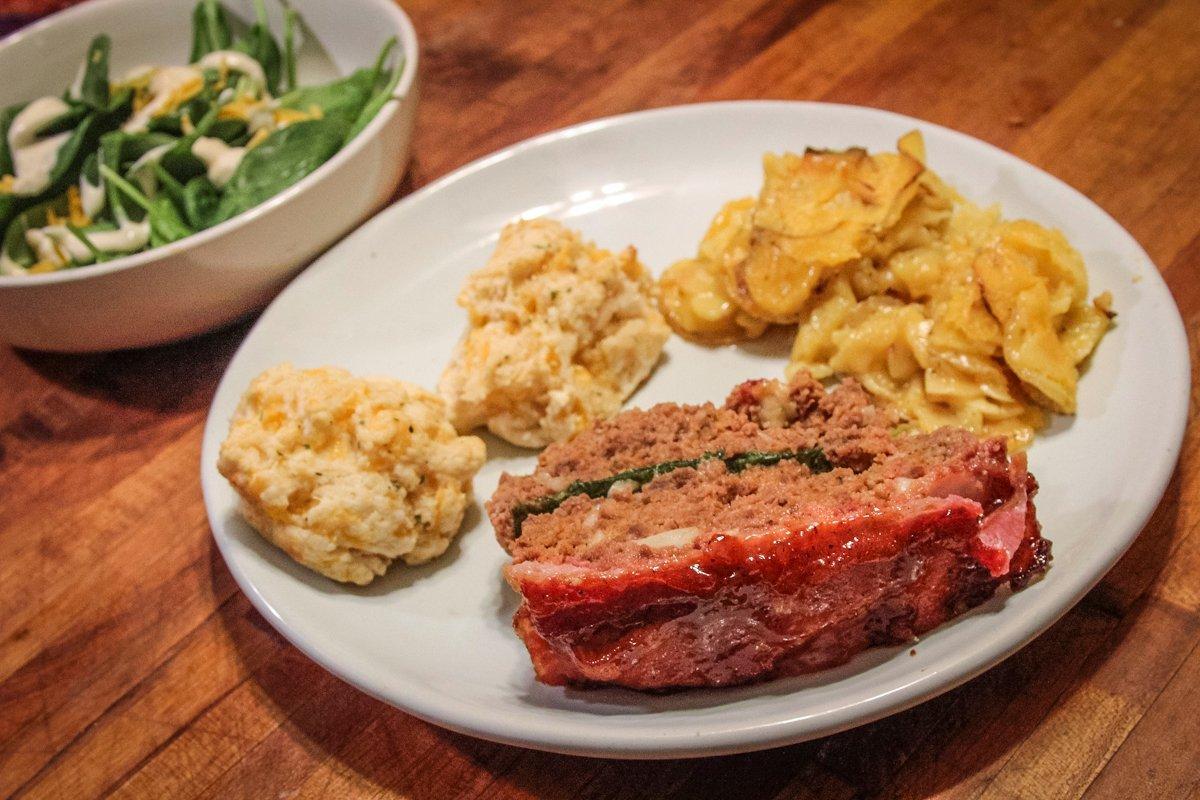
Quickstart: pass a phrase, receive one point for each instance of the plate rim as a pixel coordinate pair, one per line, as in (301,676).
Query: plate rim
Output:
(731,737)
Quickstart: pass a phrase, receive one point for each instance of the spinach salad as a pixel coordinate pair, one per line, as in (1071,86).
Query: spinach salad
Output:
(113,167)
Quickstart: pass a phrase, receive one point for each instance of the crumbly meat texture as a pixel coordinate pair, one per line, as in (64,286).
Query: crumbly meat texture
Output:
(681,508)
(560,333)
(759,415)
(348,474)
(707,575)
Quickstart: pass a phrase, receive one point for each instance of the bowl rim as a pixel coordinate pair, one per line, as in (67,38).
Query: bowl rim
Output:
(407,36)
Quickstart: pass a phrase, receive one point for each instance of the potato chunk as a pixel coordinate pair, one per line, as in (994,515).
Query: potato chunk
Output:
(696,295)
(816,214)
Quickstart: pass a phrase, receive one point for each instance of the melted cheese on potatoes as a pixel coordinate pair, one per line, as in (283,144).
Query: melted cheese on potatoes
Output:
(944,311)
(347,474)
(561,332)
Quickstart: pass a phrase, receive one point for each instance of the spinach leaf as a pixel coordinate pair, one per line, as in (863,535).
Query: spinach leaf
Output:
(289,46)
(93,89)
(179,160)
(171,124)
(339,101)
(182,164)
(90,171)
(169,184)
(14,245)
(118,150)
(230,131)
(103,119)
(194,108)
(380,59)
(281,160)
(67,162)
(110,156)
(65,121)
(814,458)
(200,203)
(6,118)
(71,155)
(210,29)
(377,101)
(10,206)
(119,106)
(37,216)
(260,45)
(166,224)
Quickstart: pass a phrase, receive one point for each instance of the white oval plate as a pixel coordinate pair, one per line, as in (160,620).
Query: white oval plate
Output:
(436,641)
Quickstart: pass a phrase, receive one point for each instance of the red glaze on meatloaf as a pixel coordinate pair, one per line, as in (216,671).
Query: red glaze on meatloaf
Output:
(713,574)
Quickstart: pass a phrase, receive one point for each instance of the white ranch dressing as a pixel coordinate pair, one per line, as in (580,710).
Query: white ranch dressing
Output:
(221,159)
(76,90)
(233,61)
(166,82)
(151,156)
(165,85)
(10,267)
(139,73)
(59,246)
(140,171)
(262,117)
(91,196)
(33,158)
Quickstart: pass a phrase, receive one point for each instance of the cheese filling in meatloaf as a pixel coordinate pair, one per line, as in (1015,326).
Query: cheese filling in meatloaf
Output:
(780,533)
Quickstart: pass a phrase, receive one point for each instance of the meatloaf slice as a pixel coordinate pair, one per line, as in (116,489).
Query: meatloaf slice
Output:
(782,532)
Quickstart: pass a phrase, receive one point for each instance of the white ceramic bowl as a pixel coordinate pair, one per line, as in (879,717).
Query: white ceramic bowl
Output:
(219,274)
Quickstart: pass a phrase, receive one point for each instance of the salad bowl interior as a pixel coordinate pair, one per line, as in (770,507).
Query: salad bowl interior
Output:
(209,278)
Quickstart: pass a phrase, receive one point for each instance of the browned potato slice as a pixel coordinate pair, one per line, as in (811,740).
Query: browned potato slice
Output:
(777,278)
(1035,285)
(693,299)
(923,221)
(727,243)
(694,293)
(1032,349)
(1085,325)
(728,237)
(817,213)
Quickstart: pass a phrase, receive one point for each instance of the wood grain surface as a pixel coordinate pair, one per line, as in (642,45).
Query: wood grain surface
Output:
(131,665)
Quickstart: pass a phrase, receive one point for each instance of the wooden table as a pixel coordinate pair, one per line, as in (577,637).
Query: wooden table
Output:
(131,664)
